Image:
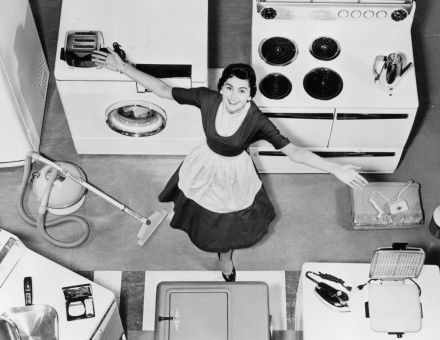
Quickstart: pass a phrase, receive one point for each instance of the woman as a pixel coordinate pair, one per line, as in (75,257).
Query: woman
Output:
(218,197)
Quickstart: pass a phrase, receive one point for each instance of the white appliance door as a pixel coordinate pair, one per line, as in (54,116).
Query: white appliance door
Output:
(25,72)
(371,128)
(13,141)
(306,128)
(269,160)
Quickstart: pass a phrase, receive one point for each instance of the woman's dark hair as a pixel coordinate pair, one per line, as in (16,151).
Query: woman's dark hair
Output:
(241,71)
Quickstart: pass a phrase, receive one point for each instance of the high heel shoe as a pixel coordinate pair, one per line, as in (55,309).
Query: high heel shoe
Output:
(229,277)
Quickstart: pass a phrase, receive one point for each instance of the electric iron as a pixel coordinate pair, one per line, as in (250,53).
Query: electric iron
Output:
(331,297)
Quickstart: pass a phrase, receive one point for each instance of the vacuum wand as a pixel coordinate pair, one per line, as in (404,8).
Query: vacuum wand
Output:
(151,222)
(73,177)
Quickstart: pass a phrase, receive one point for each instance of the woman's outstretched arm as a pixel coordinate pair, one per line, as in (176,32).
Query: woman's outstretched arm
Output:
(345,173)
(113,62)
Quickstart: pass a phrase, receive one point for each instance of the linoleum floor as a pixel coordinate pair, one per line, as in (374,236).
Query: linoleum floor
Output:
(313,211)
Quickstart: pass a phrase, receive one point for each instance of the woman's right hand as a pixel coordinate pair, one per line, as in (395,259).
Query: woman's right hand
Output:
(111,60)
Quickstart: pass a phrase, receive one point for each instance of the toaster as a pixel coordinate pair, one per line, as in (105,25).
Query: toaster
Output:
(78,47)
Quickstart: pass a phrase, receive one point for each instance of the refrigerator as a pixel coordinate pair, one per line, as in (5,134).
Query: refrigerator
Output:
(24,77)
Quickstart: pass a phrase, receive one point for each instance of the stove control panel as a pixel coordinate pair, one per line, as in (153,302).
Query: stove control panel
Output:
(321,12)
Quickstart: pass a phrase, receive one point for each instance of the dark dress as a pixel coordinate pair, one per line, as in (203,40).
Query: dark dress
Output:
(221,231)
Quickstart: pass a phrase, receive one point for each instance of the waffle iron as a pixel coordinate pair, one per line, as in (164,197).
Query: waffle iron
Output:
(394,305)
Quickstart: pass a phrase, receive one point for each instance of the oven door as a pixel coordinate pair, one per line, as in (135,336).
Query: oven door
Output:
(269,160)
(306,128)
(371,128)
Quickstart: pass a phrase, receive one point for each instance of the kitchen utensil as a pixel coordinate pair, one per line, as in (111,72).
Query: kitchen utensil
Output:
(389,70)
(31,321)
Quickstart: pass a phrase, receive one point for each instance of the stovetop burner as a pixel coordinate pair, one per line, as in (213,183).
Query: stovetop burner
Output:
(325,48)
(278,51)
(275,86)
(323,83)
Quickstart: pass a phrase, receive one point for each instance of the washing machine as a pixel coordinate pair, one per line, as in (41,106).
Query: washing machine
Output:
(107,112)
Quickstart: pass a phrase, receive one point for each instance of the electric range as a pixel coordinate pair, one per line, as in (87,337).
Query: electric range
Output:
(317,66)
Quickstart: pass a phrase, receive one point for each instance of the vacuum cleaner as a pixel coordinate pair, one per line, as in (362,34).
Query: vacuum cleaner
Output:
(61,188)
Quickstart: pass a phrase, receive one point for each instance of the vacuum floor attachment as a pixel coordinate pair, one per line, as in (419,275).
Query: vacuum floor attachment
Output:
(148,228)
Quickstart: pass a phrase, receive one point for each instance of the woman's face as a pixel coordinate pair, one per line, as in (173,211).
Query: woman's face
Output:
(236,93)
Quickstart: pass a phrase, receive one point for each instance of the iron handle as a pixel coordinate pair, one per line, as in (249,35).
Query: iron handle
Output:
(165,318)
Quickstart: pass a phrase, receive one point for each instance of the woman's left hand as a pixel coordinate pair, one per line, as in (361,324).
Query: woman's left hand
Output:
(348,175)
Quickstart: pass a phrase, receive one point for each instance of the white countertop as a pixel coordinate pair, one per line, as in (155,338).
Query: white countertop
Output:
(320,322)
(150,32)
(48,278)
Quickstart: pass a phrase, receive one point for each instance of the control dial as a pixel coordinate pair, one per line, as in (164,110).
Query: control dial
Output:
(268,13)
(399,15)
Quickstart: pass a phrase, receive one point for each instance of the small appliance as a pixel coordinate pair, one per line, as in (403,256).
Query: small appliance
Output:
(389,70)
(387,205)
(333,298)
(61,187)
(24,76)
(78,48)
(393,304)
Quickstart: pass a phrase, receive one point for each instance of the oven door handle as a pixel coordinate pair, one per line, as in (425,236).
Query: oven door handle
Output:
(365,116)
(321,115)
(334,154)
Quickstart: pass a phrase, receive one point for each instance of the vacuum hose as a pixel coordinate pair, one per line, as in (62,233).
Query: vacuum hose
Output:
(40,222)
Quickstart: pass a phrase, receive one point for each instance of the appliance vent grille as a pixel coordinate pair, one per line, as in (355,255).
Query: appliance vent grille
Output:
(396,264)
(42,75)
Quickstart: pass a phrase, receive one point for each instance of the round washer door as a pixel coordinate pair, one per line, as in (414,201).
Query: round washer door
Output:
(136,118)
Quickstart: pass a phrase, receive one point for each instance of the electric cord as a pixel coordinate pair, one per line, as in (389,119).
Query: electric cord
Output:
(418,286)
(376,206)
(360,287)
(331,278)
(40,223)
(398,194)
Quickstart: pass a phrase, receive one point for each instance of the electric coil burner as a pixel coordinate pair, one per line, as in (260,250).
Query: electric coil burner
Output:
(325,48)
(323,83)
(278,51)
(275,86)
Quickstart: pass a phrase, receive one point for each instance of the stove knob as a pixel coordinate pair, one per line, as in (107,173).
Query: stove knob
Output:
(381,14)
(368,14)
(268,13)
(399,15)
(356,14)
(343,14)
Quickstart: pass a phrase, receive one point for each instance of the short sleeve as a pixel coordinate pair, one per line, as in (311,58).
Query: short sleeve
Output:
(191,96)
(269,132)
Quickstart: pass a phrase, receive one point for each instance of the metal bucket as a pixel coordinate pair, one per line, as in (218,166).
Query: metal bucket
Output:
(33,322)
(8,329)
